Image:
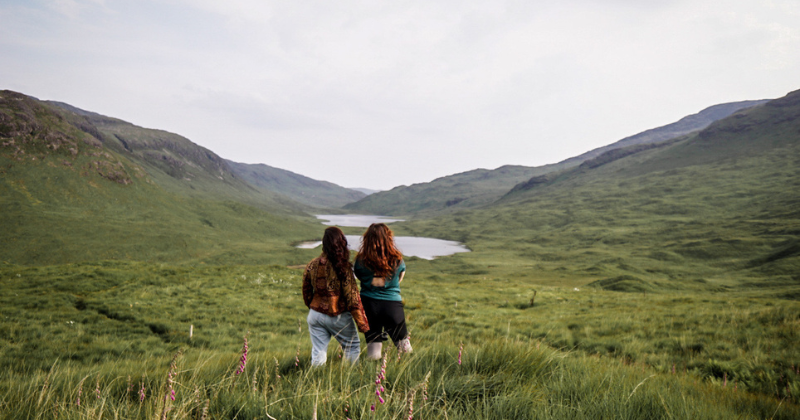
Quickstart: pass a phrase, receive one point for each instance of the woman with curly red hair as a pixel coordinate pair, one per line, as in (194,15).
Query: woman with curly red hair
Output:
(331,295)
(380,268)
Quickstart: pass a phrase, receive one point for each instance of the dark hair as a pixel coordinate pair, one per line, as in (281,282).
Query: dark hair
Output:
(378,250)
(334,246)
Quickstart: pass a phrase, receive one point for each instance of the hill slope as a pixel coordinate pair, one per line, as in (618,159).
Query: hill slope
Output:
(295,186)
(447,194)
(480,187)
(679,128)
(712,210)
(174,162)
(66,196)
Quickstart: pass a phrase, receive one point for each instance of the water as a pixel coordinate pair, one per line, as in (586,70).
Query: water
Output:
(416,246)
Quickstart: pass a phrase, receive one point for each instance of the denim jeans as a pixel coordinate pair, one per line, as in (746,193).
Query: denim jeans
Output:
(322,327)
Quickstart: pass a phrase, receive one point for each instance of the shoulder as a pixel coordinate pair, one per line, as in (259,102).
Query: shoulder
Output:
(313,264)
(358,264)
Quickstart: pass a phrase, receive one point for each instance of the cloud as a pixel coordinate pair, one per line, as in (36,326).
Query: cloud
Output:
(443,86)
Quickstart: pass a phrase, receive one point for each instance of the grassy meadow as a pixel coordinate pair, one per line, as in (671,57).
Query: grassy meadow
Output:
(530,348)
(660,284)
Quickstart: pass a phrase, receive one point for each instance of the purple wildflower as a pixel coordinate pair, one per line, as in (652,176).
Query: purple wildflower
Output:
(411,405)
(460,349)
(243,359)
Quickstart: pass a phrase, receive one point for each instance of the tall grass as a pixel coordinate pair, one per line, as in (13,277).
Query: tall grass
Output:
(585,353)
(498,379)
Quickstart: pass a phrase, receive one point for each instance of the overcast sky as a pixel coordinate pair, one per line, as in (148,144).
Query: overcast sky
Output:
(378,94)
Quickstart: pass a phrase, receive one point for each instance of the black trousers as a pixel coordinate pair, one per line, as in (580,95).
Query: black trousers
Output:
(386,320)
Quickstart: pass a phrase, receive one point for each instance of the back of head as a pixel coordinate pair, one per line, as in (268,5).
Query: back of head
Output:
(334,246)
(378,250)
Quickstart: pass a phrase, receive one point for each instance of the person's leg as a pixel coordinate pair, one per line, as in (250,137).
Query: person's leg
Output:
(395,322)
(375,336)
(345,332)
(320,337)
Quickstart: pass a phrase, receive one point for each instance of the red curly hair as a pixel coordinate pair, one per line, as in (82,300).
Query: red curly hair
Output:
(378,251)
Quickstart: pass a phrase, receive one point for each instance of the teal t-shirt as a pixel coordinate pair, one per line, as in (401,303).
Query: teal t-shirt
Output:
(390,291)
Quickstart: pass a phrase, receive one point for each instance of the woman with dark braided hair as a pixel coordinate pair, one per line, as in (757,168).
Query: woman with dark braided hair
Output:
(380,267)
(331,295)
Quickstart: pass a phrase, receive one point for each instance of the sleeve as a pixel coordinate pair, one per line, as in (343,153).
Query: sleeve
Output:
(308,287)
(362,272)
(350,292)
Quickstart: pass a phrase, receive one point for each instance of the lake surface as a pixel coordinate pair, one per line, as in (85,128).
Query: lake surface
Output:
(416,246)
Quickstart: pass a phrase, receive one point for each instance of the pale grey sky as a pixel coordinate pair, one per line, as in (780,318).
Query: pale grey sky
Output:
(377,94)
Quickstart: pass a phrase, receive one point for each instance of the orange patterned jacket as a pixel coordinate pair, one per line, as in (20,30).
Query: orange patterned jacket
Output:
(324,293)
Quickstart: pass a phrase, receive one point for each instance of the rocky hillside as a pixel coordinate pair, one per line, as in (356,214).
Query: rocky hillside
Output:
(71,190)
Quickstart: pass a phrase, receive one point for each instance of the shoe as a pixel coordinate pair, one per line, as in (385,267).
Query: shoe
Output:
(374,350)
(404,346)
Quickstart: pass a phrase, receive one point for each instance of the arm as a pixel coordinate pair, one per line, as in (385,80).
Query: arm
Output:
(402,267)
(350,293)
(308,288)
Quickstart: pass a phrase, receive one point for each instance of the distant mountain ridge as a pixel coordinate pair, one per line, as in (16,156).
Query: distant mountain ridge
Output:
(683,126)
(190,164)
(481,187)
(298,187)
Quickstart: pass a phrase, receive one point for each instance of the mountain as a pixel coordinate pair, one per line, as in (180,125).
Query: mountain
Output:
(714,209)
(174,162)
(481,187)
(77,186)
(681,127)
(297,187)
(447,194)
(365,191)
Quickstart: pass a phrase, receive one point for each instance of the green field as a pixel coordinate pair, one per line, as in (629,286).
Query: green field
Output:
(656,282)
(102,330)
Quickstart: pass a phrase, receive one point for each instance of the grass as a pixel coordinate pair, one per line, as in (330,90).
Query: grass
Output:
(661,284)
(586,353)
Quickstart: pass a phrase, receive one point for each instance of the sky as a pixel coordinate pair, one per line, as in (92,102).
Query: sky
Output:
(377,94)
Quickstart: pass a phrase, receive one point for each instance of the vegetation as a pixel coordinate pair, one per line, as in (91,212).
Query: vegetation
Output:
(481,187)
(297,187)
(103,331)
(653,282)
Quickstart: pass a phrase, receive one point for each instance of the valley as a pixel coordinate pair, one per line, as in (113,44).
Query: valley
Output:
(657,279)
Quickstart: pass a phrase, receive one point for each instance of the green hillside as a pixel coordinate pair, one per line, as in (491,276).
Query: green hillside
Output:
(300,188)
(679,128)
(448,194)
(174,162)
(480,187)
(716,210)
(127,293)
(66,197)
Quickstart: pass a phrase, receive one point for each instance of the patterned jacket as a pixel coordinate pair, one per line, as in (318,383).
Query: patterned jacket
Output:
(324,293)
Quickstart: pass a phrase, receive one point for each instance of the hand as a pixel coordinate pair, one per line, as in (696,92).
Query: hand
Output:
(378,282)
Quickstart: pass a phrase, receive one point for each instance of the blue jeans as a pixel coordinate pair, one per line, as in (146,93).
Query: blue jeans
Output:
(322,327)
